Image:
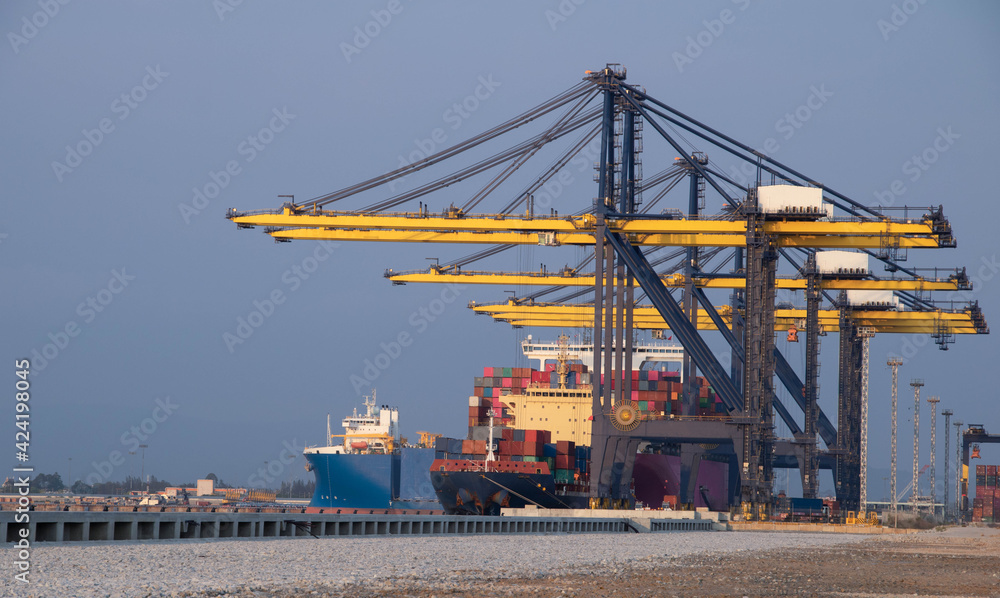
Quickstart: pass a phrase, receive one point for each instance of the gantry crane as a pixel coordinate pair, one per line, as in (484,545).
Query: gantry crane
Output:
(622,230)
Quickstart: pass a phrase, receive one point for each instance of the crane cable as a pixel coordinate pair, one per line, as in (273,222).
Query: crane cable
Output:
(538,111)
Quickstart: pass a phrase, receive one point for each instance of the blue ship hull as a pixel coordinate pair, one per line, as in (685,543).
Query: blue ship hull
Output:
(396,481)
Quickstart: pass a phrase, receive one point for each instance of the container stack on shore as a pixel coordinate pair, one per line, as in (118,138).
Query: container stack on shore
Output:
(986,504)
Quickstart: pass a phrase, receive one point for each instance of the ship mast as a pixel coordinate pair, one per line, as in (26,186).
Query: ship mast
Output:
(489,447)
(561,368)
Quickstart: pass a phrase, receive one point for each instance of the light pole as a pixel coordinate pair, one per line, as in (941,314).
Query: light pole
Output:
(142,467)
(947,413)
(958,470)
(131,473)
(916,383)
(69,475)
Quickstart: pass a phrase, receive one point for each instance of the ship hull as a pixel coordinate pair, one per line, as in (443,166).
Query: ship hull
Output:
(367,481)
(485,493)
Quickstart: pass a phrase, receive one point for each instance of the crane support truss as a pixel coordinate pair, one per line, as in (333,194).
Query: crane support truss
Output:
(848,450)
(866,335)
(758,387)
(810,465)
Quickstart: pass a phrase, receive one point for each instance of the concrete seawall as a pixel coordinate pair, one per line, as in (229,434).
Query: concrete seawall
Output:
(110,526)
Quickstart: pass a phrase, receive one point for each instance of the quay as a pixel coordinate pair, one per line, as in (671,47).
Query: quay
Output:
(178,523)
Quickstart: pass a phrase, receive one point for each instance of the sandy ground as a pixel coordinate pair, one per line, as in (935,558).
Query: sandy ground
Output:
(955,562)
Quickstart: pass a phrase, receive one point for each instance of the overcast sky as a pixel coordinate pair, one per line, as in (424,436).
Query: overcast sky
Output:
(130,128)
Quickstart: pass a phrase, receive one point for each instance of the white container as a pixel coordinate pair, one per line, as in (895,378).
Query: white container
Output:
(841,262)
(790,199)
(881,299)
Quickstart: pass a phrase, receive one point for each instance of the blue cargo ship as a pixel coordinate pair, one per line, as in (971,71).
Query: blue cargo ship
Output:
(370,468)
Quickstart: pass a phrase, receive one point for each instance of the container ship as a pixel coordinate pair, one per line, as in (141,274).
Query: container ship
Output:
(529,438)
(540,443)
(372,468)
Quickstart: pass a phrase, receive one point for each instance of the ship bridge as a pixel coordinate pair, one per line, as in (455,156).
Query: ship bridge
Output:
(550,350)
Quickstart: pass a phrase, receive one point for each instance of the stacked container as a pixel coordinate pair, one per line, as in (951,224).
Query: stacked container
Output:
(986,504)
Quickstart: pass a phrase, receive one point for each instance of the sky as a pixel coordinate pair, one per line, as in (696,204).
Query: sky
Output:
(131,127)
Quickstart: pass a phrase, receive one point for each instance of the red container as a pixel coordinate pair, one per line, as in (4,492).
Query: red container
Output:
(479,446)
(507,434)
(565,447)
(487,372)
(503,446)
(533,449)
(654,375)
(635,374)
(980,470)
(516,447)
(565,461)
(991,470)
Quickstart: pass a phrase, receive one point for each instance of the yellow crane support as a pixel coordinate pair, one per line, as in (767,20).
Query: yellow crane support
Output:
(569,278)
(646,317)
(456,227)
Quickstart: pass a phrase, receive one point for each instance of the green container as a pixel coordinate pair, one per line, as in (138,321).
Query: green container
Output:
(551,461)
(564,476)
(532,458)
(508,372)
(643,405)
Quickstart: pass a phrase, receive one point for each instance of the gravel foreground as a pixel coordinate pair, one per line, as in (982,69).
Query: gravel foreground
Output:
(957,562)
